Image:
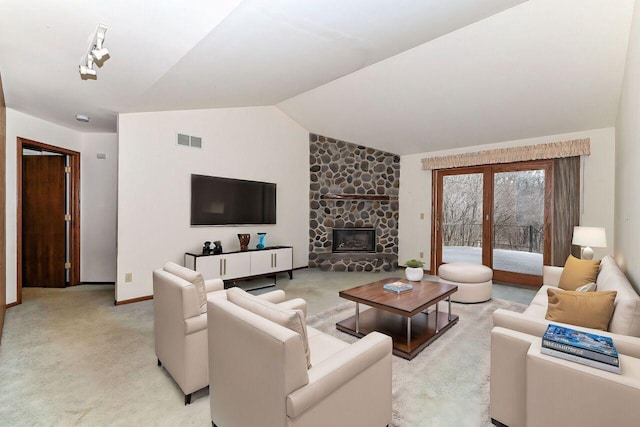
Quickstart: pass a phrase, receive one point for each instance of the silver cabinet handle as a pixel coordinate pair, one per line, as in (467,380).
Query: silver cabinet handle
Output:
(225,266)
(221,266)
(275,259)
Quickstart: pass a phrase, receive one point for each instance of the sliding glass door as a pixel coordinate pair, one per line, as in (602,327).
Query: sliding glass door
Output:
(462,212)
(496,215)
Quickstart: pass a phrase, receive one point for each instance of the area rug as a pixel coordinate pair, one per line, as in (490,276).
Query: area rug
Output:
(447,384)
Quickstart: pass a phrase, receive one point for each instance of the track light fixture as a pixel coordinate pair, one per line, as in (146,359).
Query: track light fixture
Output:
(96,54)
(87,70)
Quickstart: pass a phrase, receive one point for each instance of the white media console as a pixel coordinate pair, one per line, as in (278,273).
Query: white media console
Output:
(242,265)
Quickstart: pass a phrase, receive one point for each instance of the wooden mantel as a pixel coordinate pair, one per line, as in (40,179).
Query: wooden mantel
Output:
(379,197)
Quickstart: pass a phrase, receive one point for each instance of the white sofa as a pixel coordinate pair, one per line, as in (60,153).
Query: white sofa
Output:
(180,325)
(259,374)
(517,396)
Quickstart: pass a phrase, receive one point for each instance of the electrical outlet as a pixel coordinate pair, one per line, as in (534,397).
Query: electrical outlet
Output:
(421,215)
(128,277)
(421,254)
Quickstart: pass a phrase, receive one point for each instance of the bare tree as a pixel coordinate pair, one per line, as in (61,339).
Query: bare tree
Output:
(518,210)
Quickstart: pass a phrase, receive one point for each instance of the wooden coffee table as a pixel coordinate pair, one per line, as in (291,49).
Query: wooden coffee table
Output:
(404,317)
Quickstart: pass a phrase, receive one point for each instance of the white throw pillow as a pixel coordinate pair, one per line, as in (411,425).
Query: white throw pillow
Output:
(192,277)
(291,319)
(589,287)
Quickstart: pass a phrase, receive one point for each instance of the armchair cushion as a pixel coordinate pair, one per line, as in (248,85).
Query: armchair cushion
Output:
(332,373)
(291,319)
(213,285)
(192,277)
(578,272)
(588,309)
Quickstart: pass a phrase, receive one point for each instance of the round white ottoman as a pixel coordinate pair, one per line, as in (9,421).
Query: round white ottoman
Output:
(473,280)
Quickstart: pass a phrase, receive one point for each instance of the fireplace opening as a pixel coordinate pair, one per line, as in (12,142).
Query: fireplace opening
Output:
(354,240)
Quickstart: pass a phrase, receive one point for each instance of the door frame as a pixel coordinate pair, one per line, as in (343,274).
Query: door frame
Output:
(488,172)
(74,203)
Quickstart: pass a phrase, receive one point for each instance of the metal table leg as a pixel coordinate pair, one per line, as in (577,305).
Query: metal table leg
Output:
(408,331)
(449,301)
(437,328)
(357,318)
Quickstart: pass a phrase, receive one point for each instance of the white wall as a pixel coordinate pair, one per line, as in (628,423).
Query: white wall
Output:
(98,185)
(25,126)
(627,202)
(599,185)
(154,184)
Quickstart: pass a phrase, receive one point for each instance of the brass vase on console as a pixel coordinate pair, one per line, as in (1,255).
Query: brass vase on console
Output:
(244,241)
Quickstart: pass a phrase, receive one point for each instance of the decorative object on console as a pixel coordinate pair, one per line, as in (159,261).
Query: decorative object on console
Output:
(217,249)
(588,237)
(414,271)
(206,249)
(244,241)
(260,244)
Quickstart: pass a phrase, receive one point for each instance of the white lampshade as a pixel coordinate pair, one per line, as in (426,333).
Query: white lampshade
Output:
(590,236)
(587,237)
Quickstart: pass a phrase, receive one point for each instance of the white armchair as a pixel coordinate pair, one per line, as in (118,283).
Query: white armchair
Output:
(180,324)
(259,376)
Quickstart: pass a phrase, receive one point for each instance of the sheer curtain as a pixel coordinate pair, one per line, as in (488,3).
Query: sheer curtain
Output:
(566,208)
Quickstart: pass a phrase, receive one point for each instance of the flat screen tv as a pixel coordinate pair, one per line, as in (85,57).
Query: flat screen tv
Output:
(227,201)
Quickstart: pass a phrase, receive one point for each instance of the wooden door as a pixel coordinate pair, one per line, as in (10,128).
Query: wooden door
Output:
(43,223)
(496,215)
(3,218)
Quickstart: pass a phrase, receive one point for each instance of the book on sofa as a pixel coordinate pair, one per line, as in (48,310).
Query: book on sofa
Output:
(582,347)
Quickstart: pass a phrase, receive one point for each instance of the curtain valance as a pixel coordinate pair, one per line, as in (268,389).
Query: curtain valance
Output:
(552,150)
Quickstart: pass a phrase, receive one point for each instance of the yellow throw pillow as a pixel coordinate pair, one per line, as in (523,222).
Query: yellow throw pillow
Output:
(588,309)
(578,272)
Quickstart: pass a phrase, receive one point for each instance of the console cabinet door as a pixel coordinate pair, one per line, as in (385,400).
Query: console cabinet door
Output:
(228,266)
(208,266)
(283,259)
(261,262)
(235,265)
(271,261)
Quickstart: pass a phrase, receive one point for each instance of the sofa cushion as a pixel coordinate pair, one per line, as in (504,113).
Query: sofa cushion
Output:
(192,277)
(588,309)
(291,319)
(578,272)
(589,287)
(626,316)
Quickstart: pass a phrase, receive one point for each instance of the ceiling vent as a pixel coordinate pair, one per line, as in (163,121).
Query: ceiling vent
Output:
(189,140)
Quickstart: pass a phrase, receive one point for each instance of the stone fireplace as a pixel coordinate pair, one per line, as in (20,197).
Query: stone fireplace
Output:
(354,240)
(353,188)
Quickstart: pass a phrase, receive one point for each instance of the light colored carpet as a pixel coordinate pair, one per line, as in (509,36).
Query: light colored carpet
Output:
(447,384)
(70,357)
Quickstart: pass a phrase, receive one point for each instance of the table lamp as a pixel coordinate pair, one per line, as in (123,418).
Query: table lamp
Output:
(588,237)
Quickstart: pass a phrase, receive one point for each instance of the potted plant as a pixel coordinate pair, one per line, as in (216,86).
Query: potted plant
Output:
(413,270)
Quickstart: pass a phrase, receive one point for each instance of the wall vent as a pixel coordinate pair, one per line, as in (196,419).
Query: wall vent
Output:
(189,140)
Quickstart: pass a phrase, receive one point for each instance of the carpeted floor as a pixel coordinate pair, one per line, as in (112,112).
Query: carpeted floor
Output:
(447,384)
(70,357)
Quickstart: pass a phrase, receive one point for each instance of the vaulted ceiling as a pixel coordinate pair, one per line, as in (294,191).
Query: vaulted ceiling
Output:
(403,76)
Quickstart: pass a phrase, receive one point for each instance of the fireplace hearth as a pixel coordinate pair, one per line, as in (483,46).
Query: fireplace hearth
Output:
(360,240)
